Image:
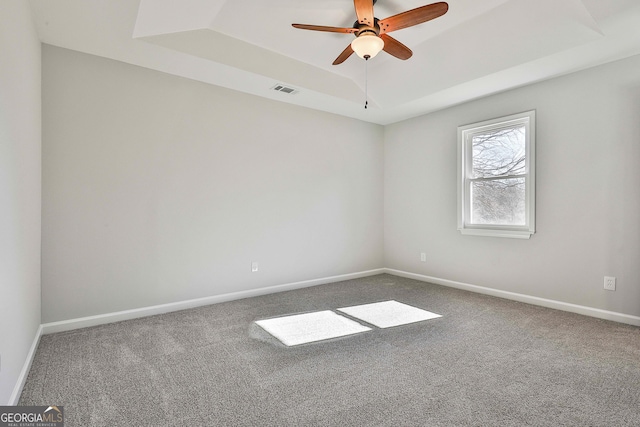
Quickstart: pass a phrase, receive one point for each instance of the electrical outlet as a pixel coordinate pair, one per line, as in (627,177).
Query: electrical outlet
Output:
(254,266)
(423,257)
(610,283)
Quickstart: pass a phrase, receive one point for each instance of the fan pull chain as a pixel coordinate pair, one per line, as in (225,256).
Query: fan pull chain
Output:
(366,78)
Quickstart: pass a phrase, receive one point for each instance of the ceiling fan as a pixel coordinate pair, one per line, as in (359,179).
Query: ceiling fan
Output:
(371,32)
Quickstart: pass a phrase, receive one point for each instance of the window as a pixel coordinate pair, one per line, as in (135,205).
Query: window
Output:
(496,187)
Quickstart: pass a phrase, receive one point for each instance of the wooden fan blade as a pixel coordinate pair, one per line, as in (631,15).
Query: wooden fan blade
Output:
(324,28)
(364,11)
(395,48)
(413,17)
(344,55)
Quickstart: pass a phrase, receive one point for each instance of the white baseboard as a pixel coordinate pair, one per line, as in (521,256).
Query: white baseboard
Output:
(22,378)
(83,322)
(67,325)
(558,305)
(71,324)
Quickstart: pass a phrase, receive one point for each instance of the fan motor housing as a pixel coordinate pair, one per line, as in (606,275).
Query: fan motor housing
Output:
(366,28)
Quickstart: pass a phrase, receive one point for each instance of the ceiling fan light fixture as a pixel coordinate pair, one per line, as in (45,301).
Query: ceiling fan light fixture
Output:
(367,45)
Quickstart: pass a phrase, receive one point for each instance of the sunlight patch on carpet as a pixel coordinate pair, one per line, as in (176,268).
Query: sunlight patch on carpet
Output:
(386,314)
(310,327)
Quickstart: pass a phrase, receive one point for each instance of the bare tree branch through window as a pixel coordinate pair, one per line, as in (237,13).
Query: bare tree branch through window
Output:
(497,177)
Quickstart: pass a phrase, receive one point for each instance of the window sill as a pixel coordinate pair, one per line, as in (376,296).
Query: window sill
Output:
(511,234)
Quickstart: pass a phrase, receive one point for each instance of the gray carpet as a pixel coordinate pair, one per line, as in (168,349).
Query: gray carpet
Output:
(486,362)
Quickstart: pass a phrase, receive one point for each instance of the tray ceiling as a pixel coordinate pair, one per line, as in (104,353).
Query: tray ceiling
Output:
(476,49)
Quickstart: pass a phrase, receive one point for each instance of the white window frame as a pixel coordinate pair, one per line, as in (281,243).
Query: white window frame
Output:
(465,134)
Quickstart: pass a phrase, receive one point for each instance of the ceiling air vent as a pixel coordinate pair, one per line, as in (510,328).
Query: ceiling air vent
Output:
(285,89)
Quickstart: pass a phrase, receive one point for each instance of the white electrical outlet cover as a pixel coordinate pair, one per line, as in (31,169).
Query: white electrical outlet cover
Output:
(610,283)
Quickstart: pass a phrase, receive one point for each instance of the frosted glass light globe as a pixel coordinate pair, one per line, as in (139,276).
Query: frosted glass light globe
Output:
(367,45)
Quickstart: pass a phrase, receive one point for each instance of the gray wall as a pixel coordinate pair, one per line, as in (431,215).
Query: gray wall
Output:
(20,190)
(159,189)
(588,193)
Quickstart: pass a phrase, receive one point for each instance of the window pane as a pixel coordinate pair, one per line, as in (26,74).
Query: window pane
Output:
(498,152)
(498,202)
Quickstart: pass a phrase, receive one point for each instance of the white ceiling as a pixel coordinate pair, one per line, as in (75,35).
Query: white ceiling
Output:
(477,48)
